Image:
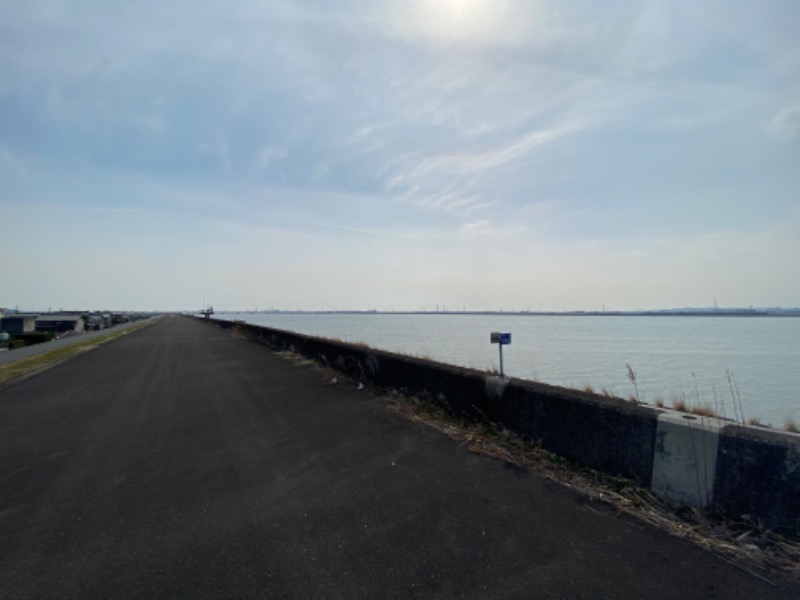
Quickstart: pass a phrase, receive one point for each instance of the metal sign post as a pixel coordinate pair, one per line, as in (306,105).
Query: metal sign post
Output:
(501,339)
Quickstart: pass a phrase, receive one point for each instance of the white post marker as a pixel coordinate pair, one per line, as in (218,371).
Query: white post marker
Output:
(501,339)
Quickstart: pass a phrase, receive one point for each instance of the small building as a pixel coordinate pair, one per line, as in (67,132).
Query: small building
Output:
(60,323)
(18,324)
(94,322)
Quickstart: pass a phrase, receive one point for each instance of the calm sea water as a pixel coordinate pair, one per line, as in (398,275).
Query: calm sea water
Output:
(724,362)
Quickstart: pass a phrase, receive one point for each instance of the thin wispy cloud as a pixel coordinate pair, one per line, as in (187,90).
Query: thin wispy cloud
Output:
(785,125)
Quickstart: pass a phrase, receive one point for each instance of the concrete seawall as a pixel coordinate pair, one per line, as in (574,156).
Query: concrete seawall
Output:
(743,472)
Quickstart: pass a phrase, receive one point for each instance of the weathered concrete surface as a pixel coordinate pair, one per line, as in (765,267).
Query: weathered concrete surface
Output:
(685,458)
(608,434)
(183,462)
(758,477)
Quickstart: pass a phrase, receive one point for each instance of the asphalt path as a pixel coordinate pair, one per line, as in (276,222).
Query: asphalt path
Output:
(182,462)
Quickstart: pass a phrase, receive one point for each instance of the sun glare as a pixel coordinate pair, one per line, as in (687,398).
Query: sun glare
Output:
(458,6)
(456,19)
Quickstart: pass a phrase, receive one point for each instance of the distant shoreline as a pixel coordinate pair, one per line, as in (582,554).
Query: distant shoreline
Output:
(790,312)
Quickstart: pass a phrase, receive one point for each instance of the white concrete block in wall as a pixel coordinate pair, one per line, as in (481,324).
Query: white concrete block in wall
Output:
(685,457)
(495,386)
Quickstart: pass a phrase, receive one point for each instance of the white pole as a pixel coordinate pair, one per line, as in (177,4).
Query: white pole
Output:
(501,360)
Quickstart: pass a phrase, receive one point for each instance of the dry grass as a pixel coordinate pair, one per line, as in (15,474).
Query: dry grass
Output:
(358,344)
(704,410)
(696,403)
(790,426)
(297,359)
(742,545)
(329,375)
(588,389)
(33,364)
(632,379)
(239,333)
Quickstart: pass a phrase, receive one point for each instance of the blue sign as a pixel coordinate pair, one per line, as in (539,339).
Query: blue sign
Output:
(505,338)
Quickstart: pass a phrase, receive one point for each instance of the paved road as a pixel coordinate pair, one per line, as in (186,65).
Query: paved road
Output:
(182,462)
(7,356)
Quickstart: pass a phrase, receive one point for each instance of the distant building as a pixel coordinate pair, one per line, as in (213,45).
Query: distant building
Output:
(94,322)
(60,323)
(18,324)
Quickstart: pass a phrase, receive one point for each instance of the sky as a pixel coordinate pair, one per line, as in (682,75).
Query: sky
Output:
(399,154)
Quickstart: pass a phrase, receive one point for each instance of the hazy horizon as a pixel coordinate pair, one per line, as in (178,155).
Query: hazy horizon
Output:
(397,155)
(423,310)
